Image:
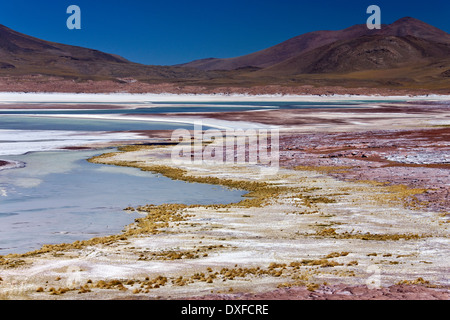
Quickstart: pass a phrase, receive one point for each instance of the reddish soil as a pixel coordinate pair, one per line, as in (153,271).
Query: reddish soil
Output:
(39,83)
(418,158)
(76,148)
(415,158)
(382,156)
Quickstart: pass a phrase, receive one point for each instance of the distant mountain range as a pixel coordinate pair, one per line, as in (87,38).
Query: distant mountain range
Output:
(21,54)
(351,49)
(406,53)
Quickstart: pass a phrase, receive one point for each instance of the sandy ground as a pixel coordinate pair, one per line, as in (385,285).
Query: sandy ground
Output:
(40,83)
(333,230)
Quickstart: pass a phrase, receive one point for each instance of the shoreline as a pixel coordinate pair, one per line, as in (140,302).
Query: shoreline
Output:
(115,242)
(300,237)
(205,122)
(8,164)
(54,140)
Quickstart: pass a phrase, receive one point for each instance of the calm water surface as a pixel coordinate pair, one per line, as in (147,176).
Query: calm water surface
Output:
(59,197)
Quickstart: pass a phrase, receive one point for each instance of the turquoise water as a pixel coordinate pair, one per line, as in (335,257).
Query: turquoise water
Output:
(191,107)
(26,122)
(59,197)
(22,119)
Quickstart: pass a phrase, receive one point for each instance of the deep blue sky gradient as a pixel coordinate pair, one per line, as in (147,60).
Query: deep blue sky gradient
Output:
(176,31)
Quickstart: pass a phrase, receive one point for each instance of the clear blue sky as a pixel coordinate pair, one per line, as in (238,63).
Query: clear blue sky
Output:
(176,31)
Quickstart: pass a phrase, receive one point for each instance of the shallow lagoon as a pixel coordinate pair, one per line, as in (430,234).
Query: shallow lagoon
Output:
(59,197)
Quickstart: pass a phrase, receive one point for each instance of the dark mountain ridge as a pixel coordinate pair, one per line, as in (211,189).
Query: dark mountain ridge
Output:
(21,54)
(307,42)
(405,54)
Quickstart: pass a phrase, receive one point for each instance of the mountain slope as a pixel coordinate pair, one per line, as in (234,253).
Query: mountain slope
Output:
(363,53)
(21,54)
(280,52)
(408,26)
(298,45)
(405,54)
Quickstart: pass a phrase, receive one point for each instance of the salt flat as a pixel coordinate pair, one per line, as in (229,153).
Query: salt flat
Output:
(119,98)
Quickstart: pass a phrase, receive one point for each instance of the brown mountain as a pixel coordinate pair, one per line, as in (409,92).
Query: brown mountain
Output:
(407,54)
(363,53)
(307,42)
(21,54)
(280,52)
(413,27)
